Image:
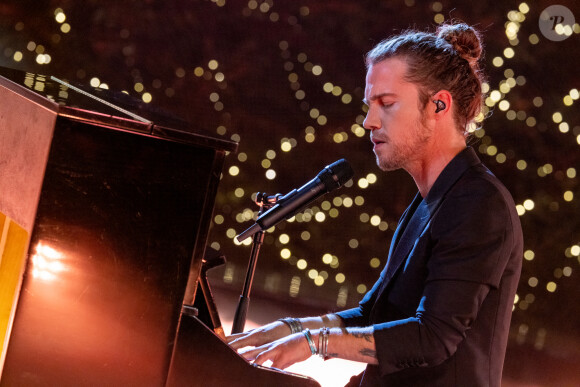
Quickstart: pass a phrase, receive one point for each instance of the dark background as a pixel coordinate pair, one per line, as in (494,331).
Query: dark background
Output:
(249,71)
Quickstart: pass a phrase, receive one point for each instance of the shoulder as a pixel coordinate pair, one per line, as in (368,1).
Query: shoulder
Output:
(478,200)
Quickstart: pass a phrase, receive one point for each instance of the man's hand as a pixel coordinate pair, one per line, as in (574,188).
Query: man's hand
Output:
(282,352)
(259,336)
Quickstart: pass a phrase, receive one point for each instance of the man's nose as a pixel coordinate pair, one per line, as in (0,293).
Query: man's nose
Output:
(372,120)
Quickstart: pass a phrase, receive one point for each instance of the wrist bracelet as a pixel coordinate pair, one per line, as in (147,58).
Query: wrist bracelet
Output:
(323,343)
(294,324)
(308,336)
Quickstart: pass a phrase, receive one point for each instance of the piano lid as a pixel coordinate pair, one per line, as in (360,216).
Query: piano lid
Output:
(83,101)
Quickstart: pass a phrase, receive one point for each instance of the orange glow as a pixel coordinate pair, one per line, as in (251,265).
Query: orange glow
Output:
(47,263)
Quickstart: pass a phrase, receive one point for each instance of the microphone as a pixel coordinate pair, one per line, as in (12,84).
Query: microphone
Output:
(333,176)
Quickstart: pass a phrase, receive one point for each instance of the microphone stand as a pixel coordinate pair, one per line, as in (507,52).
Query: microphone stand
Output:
(265,204)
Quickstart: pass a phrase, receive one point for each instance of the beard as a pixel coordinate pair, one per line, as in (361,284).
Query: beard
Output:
(401,153)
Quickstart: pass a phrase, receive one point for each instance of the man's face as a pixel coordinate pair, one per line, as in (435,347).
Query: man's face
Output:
(394,117)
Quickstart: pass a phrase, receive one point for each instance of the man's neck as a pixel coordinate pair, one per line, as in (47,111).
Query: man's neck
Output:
(426,170)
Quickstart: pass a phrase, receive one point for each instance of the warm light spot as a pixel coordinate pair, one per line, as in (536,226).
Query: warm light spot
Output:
(533,282)
(270,174)
(568,196)
(339,278)
(491,150)
(551,287)
(147,97)
(218,219)
(363,183)
(60,17)
(495,95)
(529,255)
(320,217)
(529,204)
(231,233)
(346,99)
(234,170)
(285,253)
(361,288)
(375,262)
(509,52)
(439,18)
(301,264)
(212,64)
(312,273)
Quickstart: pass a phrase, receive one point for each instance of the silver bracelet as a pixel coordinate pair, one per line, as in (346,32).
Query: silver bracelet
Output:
(323,343)
(294,324)
(308,336)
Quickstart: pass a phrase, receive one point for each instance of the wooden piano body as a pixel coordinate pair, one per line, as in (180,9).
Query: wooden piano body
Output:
(104,215)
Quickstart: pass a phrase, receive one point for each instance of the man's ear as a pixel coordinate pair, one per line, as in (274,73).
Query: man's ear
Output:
(442,103)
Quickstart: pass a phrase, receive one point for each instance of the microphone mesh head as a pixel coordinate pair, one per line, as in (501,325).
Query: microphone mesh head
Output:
(336,174)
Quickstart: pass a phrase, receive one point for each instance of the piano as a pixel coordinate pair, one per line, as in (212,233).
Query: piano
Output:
(105,207)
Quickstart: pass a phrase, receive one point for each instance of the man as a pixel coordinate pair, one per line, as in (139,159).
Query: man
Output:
(439,313)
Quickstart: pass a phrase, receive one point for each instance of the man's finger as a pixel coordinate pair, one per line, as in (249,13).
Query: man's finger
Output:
(263,357)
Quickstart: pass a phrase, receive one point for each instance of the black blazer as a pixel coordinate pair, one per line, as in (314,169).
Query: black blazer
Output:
(441,308)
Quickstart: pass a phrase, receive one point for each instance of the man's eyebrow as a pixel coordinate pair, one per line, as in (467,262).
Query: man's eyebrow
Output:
(378,96)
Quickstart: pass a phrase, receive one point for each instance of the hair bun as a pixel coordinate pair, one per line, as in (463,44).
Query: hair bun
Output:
(464,39)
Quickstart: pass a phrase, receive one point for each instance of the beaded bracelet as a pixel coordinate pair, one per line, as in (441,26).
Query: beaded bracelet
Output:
(294,324)
(308,336)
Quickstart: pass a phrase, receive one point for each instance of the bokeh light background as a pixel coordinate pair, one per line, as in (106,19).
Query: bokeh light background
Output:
(285,79)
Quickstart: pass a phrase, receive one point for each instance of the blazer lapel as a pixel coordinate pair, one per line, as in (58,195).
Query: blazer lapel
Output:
(400,249)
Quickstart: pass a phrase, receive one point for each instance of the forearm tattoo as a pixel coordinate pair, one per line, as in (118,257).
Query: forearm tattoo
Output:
(368,352)
(359,335)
